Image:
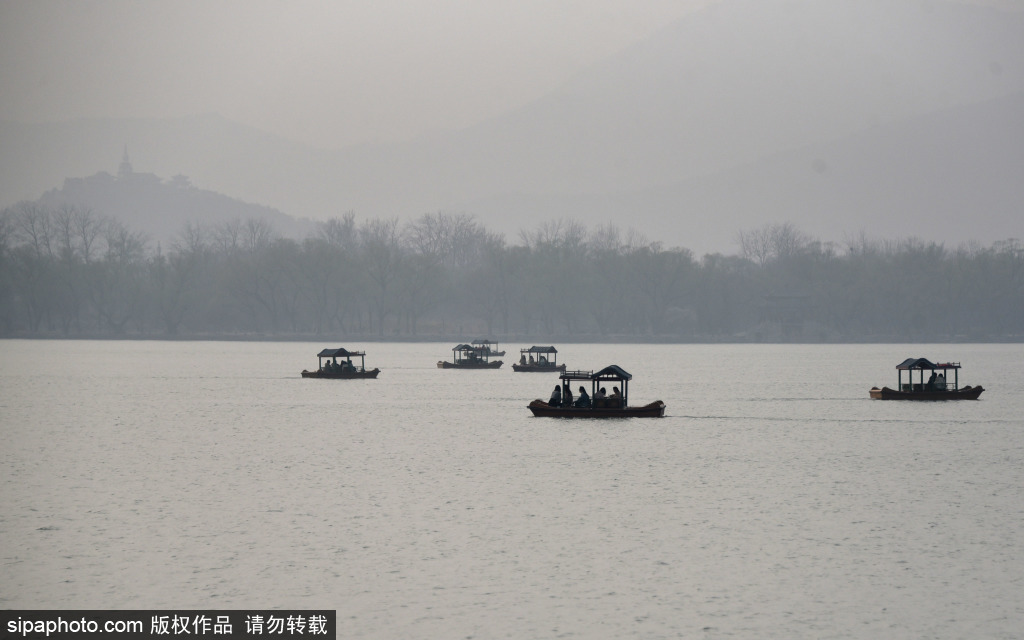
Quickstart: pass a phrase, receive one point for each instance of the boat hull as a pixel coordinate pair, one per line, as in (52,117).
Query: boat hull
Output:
(542,409)
(536,368)
(344,375)
(474,365)
(967,393)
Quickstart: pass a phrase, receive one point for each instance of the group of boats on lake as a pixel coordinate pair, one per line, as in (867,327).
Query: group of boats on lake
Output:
(478,354)
(337,364)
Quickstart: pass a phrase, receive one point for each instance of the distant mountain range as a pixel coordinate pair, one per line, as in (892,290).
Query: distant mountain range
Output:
(893,118)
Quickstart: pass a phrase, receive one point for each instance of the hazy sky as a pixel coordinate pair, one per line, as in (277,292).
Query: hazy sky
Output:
(328,73)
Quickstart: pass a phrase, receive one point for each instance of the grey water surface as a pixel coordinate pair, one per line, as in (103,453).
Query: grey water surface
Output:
(775,499)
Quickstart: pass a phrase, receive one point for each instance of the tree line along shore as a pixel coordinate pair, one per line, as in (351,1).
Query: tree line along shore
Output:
(72,272)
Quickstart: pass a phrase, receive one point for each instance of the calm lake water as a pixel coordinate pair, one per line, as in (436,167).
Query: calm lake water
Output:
(775,500)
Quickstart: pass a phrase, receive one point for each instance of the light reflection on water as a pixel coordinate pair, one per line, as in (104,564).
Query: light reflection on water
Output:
(774,499)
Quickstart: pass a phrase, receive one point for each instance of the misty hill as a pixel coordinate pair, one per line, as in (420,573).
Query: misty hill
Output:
(217,155)
(161,209)
(682,115)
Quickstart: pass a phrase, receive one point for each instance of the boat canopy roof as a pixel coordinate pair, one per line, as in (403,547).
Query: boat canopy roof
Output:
(340,352)
(924,363)
(468,347)
(612,372)
(536,349)
(483,343)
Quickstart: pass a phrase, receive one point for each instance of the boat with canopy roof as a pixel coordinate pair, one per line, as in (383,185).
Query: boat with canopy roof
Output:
(538,359)
(596,406)
(344,369)
(937,387)
(469,356)
(490,346)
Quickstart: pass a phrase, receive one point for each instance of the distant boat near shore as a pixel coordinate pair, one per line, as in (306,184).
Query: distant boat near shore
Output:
(490,346)
(470,356)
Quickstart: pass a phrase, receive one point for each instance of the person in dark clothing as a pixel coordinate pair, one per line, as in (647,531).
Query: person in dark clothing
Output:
(584,400)
(556,397)
(567,396)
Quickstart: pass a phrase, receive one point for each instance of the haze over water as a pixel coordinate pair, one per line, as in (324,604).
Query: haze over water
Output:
(775,499)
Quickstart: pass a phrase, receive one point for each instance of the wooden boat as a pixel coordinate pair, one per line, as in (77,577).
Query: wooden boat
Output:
(541,409)
(468,356)
(344,370)
(490,347)
(607,407)
(538,359)
(937,387)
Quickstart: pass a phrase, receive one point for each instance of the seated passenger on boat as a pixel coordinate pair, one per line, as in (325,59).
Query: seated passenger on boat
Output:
(556,397)
(615,400)
(584,400)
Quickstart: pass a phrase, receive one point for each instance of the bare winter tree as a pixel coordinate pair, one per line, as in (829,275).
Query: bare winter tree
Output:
(227,237)
(257,234)
(456,240)
(756,244)
(6,232)
(566,235)
(772,242)
(339,232)
(382,259)
(34,226)
(787,241)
